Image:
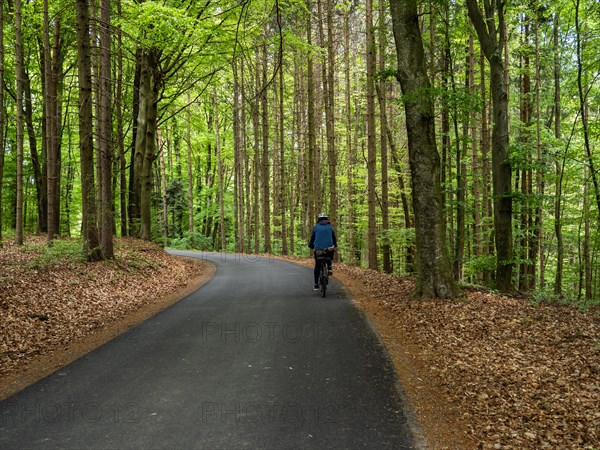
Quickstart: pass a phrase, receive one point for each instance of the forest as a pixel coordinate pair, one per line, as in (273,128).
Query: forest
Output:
(229,125)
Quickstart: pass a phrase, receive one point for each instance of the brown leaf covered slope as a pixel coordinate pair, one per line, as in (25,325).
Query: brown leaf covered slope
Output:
(518,376)
(49,303)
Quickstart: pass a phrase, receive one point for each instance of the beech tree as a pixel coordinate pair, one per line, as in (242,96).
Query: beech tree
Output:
(434,277)
(492,37)
(91,242)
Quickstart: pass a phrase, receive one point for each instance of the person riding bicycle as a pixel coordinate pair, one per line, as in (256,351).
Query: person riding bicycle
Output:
(321,238)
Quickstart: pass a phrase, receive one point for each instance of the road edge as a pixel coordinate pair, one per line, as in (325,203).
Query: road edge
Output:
(418,437)
(46,365)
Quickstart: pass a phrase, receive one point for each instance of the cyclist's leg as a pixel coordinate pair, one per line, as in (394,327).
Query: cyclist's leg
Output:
(330,262)
(316,272)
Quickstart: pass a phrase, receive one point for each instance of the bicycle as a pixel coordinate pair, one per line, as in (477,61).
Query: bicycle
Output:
(323,258)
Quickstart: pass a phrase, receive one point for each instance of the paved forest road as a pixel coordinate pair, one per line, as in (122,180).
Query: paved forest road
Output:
(253,359)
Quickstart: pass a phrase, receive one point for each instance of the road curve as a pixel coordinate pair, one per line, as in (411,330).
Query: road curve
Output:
(253,359)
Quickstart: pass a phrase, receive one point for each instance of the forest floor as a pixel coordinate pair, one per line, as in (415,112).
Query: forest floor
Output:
(487,371)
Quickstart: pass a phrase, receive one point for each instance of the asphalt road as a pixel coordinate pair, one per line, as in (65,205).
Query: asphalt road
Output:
(253,359)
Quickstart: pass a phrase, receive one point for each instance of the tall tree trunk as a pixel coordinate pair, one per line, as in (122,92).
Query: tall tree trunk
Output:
(539,221)
(53,158)
(255,111)
(371,140)
(105,134)
(461,182)
(135,201)
(246,163)
(163,189)
(40,168)
(329,116)
(86,147)
(145,145)
(587,256)
(238,185)
(190,178)
(282,163)
(2,114)
(434,278)
(560,248)
(492,38)
(19,95)
(312,138)
(408,223)
(475,161)
(220,175)
(120,126)
(133,207)
(265,166)
(525,203)
(485,168)
(350,159)
(382,96)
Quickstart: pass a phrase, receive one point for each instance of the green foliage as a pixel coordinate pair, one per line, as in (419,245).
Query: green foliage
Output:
(480,264)
(195,241)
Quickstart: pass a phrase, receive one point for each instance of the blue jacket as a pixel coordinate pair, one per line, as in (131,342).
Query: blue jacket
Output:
(322,236)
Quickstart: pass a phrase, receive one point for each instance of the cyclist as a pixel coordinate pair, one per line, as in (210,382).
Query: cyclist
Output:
(322,237)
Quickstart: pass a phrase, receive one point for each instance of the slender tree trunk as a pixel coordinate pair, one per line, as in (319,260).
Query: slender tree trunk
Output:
(105,133)
(492,39)
(190,178)
(133,207)
(282,164)
(560,252)
(257,154)
(434,277)
(40,169)
(120,127)
(163,189)
(408,223)
(371,140)
(445,122)
(539,221)
(53,212)
(265,166)
(89,218)
(475,160)
(238,186)
(312,138)
(461,183)
(382,96)
(220,175)
(19,95)
(525,203)
(2,115)
(485,168)
(350,162)
(329,116)
(587,256)
(245,163)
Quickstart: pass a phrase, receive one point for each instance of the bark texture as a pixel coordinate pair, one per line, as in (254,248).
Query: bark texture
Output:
(434,277)
(492,38)
(89,217)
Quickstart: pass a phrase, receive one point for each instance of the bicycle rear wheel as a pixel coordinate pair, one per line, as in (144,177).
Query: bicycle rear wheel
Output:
(324,279)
